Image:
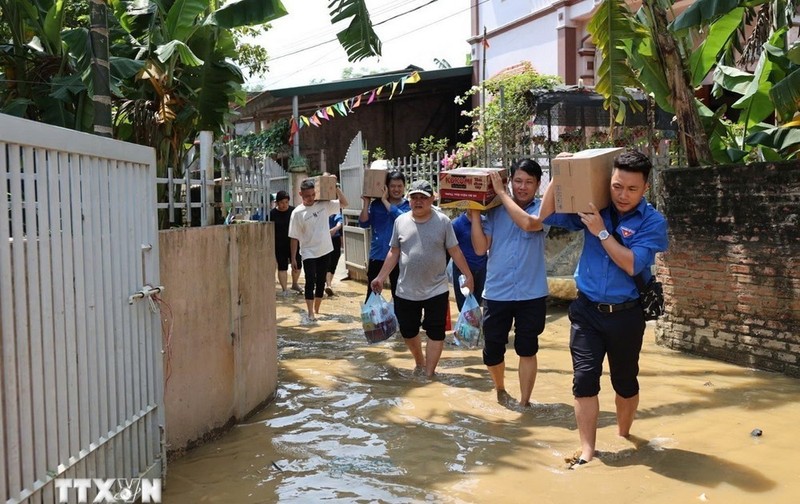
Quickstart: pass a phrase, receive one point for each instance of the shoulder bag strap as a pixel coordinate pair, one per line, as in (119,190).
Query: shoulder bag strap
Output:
(639,279)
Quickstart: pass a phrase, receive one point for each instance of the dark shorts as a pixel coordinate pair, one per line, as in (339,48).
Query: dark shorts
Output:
(335,254)
(528,319)
(594,335)
(282,258)
(409,316)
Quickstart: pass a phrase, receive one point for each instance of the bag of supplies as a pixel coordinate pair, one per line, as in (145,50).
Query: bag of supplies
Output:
(469,326)
(378,319)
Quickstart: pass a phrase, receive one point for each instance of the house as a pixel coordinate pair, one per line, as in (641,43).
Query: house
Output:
(390,109)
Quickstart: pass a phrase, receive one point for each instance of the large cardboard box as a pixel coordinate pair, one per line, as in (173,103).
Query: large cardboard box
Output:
(469,188)
(374,182)
(324,187)
(582,178)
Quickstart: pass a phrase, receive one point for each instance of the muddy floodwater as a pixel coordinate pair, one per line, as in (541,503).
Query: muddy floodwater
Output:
(351,424)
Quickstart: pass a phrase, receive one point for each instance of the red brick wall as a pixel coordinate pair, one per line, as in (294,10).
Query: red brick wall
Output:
(732,272)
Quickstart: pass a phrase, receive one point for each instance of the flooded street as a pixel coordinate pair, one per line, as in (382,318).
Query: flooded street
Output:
(350,423)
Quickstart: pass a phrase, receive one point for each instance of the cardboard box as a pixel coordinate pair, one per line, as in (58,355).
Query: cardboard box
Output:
(374,182)
(469,188)
(324,187)
(582,178)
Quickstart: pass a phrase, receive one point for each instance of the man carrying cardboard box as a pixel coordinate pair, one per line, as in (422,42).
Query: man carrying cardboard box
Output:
(619,243)
(380,214)
(309,230)
(516,277)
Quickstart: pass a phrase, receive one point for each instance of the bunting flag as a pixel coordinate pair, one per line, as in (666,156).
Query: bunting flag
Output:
(344,107)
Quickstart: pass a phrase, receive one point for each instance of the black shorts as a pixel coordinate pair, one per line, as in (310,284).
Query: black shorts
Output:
(282,258)
(528,319)
(409,316)
(595,334)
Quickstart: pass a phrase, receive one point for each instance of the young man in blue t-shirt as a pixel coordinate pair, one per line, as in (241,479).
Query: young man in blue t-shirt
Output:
(620,242)
(380,215)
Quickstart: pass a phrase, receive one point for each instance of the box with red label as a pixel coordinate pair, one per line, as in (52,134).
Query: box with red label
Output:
(469,188)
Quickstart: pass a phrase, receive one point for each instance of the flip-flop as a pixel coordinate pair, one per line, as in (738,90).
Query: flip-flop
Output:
(578,462)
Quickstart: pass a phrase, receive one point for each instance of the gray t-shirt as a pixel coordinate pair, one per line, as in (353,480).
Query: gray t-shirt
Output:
(423,258)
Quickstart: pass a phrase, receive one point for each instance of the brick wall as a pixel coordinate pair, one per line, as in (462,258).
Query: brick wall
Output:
(732,272)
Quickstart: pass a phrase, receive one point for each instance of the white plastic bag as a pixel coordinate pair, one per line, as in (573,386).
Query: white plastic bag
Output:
(469,326)
(378,319)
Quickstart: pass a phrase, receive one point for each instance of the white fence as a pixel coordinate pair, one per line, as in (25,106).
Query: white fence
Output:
(240,191)
(82,385)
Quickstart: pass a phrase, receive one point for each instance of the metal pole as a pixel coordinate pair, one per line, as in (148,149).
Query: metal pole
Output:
(296,114)
(207,168)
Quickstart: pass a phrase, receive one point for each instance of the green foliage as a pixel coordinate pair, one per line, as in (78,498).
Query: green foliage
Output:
(269,142)
(612,28)
(378,153)
(359,39)
(428,145)
(504,124)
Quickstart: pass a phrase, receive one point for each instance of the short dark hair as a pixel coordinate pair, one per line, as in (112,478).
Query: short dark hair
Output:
(282,195)
(634,161)
(529,166)
(307,184)
(395,175)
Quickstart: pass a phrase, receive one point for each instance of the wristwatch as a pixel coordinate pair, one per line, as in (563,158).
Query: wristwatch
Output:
(603,235)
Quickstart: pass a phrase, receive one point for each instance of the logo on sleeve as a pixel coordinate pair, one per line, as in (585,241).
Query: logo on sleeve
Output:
(627,232)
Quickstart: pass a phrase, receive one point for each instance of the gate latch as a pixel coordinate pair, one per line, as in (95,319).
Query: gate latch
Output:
(148,291)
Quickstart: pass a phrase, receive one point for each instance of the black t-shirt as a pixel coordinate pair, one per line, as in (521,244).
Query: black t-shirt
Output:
(281,220)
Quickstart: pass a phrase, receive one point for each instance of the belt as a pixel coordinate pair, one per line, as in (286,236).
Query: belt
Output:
(610,307)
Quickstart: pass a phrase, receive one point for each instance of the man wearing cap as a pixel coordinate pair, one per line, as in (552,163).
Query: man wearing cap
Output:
(515,291)
(619,243)
(309,230)
(419,243)
(280,216)
(380,215)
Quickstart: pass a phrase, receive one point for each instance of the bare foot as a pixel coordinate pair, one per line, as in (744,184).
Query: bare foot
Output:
(505,398)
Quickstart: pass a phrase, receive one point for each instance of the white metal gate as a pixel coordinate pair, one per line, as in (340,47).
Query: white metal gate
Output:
(81,368)
(351,175)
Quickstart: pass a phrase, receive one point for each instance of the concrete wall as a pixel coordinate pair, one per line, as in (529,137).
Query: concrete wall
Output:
(220,285)
(732,272)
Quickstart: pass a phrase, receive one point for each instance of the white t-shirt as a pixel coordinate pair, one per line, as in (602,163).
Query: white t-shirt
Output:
(309,226)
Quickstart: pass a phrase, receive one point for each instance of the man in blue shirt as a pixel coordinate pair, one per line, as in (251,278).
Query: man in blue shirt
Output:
(516,282)
(336,222)
(620,242)
(380,215)
(462,226)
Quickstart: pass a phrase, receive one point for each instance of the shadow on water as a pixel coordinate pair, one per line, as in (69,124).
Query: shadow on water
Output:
(700,469)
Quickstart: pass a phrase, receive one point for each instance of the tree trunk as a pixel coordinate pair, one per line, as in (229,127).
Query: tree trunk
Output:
(692,135)
(100,68)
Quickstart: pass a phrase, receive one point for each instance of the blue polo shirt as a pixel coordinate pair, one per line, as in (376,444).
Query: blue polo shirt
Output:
(382,222)
(463,229)
(333,221)
(516,268)
(643,230)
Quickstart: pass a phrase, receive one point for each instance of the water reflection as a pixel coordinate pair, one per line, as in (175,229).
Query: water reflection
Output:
(350,423)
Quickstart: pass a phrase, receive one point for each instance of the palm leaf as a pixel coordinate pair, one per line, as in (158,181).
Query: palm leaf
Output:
(785,95)
(610,27)
(247,12)
(719,36)
(166,51)
(703,12)
(182,17)
(359,40)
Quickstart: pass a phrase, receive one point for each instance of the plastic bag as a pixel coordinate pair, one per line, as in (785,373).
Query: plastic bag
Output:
(469,326)
(378,319)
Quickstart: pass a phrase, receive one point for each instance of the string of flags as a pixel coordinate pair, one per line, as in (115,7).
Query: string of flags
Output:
(349,105)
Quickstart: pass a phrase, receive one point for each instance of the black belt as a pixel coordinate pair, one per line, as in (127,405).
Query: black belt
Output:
(609,307)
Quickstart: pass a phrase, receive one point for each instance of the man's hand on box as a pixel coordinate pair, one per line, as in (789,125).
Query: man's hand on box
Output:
(592,220)
(497,183)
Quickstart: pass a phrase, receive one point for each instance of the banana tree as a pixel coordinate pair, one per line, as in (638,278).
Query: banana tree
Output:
(709,36)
